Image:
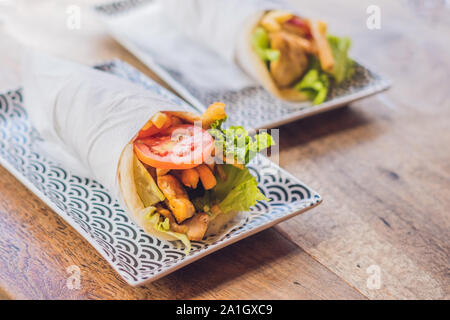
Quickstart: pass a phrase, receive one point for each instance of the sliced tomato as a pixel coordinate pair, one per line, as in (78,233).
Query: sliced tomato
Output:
(301,24)
(180,147)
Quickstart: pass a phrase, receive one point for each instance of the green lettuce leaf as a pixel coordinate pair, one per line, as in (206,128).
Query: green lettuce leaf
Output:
(261,45)
(180,236)
(239,192)
(343,65)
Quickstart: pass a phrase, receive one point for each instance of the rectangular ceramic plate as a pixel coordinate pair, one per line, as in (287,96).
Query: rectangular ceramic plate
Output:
(98,217)
(253,107)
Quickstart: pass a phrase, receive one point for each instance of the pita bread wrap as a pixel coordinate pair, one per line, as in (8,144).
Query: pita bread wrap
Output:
(87,119)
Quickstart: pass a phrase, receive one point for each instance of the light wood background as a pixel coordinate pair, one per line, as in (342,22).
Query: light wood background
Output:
(381,164)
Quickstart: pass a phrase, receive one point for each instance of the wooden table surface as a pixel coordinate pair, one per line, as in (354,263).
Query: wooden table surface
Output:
(382,166)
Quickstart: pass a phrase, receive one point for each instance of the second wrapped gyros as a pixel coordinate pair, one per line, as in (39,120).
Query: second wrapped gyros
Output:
(294,57)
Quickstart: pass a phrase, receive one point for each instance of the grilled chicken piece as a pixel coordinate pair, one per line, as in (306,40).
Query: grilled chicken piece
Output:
(196,226)
(292,62)
(176,197)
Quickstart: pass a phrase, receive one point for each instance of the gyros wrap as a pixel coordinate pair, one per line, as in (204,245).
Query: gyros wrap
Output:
(291,56)
(180,175)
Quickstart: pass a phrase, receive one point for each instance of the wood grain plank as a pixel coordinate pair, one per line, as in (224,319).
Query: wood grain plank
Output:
(37,247)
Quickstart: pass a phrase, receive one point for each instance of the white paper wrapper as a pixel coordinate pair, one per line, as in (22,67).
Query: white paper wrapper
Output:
(196,38)
(85,116)
(213,24)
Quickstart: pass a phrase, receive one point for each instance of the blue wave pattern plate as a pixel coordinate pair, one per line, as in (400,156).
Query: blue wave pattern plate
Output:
(253,107)
(88,207)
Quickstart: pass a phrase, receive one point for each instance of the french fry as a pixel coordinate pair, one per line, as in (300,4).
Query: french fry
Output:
(281,16)
(147,125)
(190,178)
(307,45)
(326,58)
(215,111)
(185,116)
(159,119)
(206,176)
